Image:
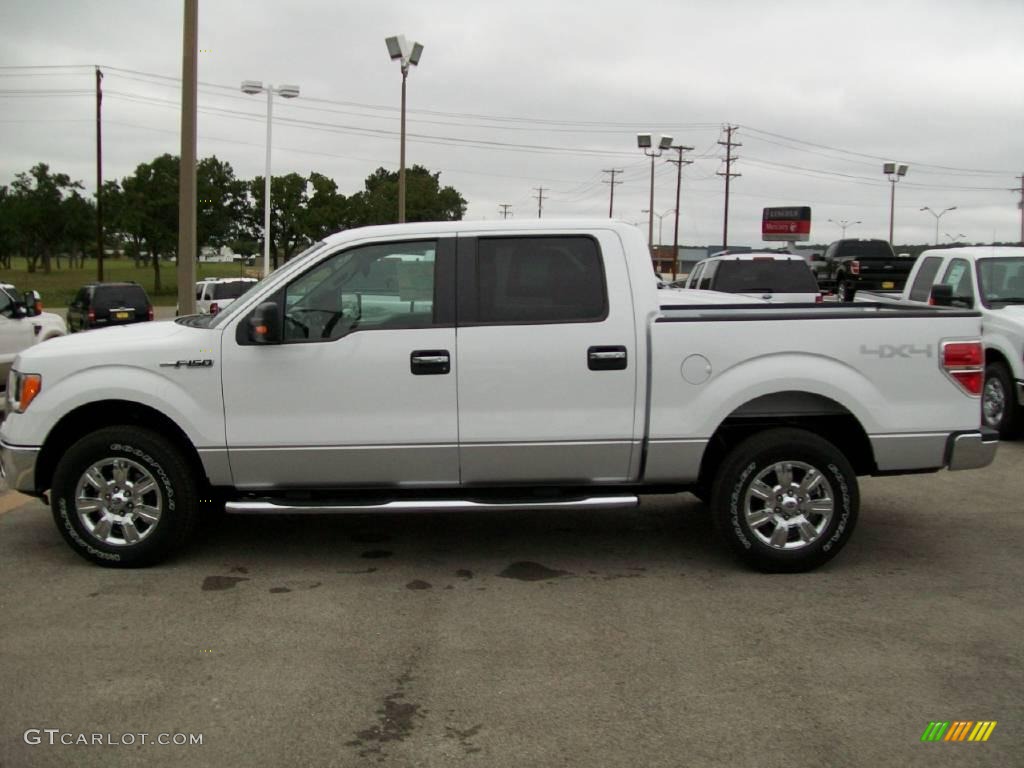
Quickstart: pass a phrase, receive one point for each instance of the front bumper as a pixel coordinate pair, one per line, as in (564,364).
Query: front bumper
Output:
(970,450)
(18,467)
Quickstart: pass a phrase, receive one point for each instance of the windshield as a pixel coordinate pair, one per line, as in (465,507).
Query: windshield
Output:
(756,276)
(1001,281)
(236,306)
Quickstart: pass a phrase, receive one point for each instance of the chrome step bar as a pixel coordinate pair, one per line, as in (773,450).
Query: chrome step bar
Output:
(275,507)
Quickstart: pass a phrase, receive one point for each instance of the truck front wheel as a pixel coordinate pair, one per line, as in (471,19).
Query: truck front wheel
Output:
(124,497)
(785,500)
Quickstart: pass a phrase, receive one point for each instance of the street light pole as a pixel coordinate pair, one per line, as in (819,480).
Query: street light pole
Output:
(895,171)
(843,223)
(288,92)
(644,142)
(938,216)
(400,50)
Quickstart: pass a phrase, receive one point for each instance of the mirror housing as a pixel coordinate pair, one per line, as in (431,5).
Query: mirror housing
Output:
(33,303)
(941,295)
(265,324)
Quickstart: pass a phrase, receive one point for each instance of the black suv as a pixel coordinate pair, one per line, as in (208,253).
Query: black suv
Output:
(97,305)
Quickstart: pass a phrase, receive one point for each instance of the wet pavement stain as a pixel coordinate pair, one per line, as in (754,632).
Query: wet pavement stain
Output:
(396,721)
(529,571)
(217,583)
(375,554)
(464,573)
(356,573)
(418,584)
(279,590)
(240,569)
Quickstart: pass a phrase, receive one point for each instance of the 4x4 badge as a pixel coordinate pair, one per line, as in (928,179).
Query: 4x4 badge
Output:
(207,363)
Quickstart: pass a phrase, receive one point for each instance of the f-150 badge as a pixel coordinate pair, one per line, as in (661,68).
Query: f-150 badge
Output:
(207,363)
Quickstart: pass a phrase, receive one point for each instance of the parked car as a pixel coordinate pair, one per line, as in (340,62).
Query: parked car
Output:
(21,326)
(772,276)
(99,305)
(505,365)
(991,281)
(863,264)
(215,294)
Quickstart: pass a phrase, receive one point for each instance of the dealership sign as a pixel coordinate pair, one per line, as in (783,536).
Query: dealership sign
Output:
(791,223)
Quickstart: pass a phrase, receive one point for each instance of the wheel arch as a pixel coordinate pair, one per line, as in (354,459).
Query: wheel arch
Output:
(814,413)
(104,413)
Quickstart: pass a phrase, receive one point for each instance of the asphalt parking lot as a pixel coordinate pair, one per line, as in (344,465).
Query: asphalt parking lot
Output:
(538,639)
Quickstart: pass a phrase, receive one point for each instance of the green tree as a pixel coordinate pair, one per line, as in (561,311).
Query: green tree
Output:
(425,198)
(79,219)
(288,205)
(38,213)
(150,208)
(223,201)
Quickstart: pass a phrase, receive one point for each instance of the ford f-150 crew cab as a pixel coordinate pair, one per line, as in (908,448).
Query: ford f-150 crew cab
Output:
(484,365)
(991,280)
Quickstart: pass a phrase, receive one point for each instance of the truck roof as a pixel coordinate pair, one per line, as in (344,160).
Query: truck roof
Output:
(978,251)
(509,225)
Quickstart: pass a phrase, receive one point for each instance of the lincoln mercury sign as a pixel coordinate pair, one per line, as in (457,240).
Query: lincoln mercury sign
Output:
(792,223)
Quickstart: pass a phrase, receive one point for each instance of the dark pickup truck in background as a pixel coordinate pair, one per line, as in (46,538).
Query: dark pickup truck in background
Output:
(869,264)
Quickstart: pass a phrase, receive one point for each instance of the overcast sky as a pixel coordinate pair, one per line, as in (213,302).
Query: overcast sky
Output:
(511,96)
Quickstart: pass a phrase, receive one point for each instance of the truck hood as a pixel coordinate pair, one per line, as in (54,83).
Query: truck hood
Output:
(131,344)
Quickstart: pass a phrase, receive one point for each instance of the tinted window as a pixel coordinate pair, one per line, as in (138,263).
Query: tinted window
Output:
(922,287)
(695,277)
(6,304)
(865,249)
(708,275)
(231,290)
(375,286)
(540,279)
(108,296)
(1002,279)
(958,275)
(774,276)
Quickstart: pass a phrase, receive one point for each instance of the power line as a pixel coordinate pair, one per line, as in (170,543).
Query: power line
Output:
(505,209)
(611,187)
(728,174)
(540,200)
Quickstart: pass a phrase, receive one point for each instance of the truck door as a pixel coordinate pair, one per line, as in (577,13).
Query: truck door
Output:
(361,390)
(548,368)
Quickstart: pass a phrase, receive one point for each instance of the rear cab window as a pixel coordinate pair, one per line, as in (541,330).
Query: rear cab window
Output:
(765,276)
(111,296)
(922,288)
(231,290)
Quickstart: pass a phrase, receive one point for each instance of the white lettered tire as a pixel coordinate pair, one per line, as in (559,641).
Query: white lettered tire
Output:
(124,497)
(785,500)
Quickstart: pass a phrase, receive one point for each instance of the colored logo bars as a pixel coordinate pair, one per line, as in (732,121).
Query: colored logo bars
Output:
(959,730)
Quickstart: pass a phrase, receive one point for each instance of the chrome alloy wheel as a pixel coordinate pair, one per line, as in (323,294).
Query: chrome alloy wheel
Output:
(118,502)
(789,505)
(993,402)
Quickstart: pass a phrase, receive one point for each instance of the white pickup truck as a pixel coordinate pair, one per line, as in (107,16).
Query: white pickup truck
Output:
(477,365)
(990,280)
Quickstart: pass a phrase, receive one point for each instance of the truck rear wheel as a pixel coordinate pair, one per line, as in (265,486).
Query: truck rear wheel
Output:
(785,500)
(999,408)
(124,497)
(845,289)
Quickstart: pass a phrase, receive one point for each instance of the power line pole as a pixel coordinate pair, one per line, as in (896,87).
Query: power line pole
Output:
(504,209)
(99,177)
(186,266)
(611,187)
(540,200)
(729,160)
(1021,206)
(679,163)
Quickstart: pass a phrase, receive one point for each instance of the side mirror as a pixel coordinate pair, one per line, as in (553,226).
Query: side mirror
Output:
(18,310)
(265,324)
(33,303)
(941,295)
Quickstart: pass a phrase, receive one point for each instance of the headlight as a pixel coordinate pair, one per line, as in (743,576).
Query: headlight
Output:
(22,389)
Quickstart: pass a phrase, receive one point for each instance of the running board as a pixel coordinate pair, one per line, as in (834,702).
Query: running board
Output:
(273,507)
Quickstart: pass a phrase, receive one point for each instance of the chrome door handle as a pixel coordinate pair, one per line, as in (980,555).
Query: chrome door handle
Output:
(430,362)
(607,358)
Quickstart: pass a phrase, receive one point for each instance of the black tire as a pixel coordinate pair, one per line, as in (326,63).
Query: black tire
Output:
(845,289)
(151,466)
(756,458)
(999,408)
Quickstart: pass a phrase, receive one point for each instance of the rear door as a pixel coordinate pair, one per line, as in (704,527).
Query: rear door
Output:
(547,374)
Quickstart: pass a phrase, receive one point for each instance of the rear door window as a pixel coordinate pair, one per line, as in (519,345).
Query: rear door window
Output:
(110,296)
(540,280)
(708,276)
(922,287)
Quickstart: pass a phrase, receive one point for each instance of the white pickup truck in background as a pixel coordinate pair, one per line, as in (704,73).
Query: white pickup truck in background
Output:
(989,280)
(491,365)
(23,324)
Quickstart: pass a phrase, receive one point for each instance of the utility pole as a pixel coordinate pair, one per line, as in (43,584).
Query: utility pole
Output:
(504,209)
(611,187)
(540,200)
(187,173)
(679,163)
(729,160)
(1021,206)
(99,177)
